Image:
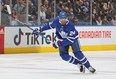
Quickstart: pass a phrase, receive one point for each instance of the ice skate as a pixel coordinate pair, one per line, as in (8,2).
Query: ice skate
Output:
(91,69)
(81,67)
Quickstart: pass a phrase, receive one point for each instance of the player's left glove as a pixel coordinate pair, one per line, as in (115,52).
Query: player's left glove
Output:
(57,44)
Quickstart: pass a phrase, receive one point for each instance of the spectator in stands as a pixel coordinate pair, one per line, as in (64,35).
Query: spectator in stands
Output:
(60,6)
(77,9)
(113,20)
(49,14)
(93,19)
(46,4)
(105,21)
(105,9)
(105,6)
(99,20)
(100,13)
(43,14)
(20,6)
(87,4)
(68,4)
(32,11)
(94,11)
(5,20)
(84,17)
(15,16)
(73,18)
(66,9)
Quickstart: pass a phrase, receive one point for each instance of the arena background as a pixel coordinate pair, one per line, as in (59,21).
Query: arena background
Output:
(94,19)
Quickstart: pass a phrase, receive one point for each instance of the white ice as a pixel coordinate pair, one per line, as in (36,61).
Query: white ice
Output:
(51,66)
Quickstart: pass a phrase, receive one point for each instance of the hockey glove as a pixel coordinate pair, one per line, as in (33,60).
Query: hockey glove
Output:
(36,31)
(57,44)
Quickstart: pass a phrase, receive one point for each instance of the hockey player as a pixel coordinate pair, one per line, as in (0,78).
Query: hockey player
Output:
(67,36)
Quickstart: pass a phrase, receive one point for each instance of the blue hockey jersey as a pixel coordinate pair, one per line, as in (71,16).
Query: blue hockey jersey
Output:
(67,33)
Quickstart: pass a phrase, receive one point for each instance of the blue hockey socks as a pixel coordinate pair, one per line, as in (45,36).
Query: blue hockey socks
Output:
(69,58)
(79,55)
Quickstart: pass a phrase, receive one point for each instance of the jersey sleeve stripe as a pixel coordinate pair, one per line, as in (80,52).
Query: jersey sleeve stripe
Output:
(50,25)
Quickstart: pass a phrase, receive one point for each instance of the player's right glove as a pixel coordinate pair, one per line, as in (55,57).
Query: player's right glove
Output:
(57,44)
(37,31)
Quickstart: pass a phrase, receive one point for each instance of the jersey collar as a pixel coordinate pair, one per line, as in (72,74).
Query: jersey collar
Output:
(66,22)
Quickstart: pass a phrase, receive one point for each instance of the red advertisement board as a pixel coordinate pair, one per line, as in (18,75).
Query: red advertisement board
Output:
(1,40)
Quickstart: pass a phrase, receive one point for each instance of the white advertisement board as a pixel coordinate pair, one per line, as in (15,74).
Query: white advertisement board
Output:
(22,36)
(97,35)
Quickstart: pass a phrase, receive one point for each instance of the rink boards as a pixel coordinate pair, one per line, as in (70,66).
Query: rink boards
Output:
(20,39)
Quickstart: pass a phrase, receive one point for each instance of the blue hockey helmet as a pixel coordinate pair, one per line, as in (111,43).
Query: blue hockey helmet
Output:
(63,15)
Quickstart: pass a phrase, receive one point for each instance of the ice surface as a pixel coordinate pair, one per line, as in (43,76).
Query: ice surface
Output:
(51,66)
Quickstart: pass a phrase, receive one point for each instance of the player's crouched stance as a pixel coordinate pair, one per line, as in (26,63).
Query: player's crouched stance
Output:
(67,36)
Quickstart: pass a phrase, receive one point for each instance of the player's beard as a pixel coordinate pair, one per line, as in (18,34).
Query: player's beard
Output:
(63,21)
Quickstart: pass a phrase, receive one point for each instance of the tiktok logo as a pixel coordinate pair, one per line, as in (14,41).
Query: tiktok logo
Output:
(17,38)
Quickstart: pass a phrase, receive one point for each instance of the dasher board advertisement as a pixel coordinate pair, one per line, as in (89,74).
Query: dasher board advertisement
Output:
(1,40)
(22,36)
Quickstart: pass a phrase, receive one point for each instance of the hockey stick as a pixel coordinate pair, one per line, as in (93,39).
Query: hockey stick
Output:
(10,14)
